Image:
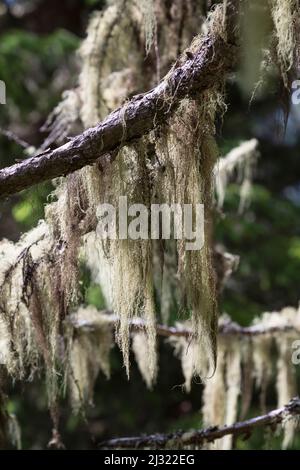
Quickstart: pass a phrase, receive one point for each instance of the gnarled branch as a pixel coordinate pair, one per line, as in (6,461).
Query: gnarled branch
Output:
(210,62)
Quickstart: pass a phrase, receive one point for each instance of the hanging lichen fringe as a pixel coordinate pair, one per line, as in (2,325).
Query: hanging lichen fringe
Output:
(242,160)
(149,20)
(284,13)
(222,392)
(39,275)
(140,350)
(88,355)
(42,269)
(243,362)
(137,174)
(286,385)
(64,119)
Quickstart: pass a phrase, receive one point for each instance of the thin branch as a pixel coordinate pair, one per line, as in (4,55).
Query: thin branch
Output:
(226,327)
(203,436)
(212,61)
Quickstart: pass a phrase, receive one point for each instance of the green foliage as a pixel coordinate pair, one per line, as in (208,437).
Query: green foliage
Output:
(36,70)
(30,209)
(28,64)
(267,240)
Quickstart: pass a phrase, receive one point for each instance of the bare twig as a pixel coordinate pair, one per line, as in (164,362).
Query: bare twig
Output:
(203,436)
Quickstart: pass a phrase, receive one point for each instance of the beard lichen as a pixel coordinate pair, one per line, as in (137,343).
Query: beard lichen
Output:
(175,163)
(245,364)
(140,349)
(242,161)
(284,16)
(88,354)
(138,171)
(221,392)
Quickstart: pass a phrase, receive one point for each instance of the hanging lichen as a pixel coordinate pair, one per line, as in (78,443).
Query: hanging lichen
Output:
(88,354)
(241,160)
(174,164)
(214,394)
(149,20)
(141,350)
(64,119)
(192,355)
(242,363)
(134,173)
(188,153)
(283,15)
(221,393)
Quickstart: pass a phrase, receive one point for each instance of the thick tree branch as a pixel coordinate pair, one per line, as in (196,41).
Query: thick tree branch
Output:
(200,71)
(203,436)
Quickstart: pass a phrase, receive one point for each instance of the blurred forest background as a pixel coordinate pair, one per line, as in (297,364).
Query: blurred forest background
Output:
(38,62)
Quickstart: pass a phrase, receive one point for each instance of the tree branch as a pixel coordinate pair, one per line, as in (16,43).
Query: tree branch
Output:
(226,328)
(203,436)
(212,60)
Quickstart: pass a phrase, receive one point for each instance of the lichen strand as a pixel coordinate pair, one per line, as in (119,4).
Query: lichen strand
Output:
(242,162)
(39,284)
(187,153)
(284,14)
(18,261)
(141,350)
(129,264)
(221,392)
(222,396)
(88,353)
